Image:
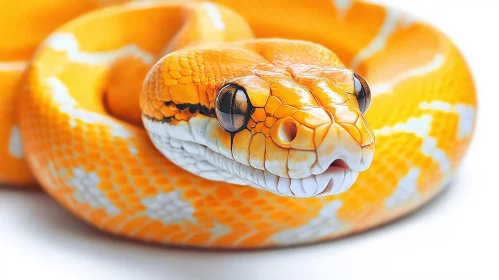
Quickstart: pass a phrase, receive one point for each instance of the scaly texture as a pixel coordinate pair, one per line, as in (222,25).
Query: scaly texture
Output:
(95,158)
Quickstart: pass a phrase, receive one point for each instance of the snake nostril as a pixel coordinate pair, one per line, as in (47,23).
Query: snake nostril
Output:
(287,130)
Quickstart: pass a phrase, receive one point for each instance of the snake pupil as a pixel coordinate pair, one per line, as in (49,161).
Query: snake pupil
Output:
(232,108)
(362,92)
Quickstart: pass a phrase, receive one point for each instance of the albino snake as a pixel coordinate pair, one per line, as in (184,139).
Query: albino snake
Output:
(250,132)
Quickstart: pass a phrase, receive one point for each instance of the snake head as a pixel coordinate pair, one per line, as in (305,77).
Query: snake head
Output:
(283,116)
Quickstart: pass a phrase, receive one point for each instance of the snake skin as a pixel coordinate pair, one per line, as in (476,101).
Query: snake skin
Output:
(72,121)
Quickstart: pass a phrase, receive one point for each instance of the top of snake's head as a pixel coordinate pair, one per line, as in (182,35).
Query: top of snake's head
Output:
(284,116)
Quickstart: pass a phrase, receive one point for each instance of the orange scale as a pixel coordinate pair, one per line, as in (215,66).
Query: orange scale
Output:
(265,131)
(213,204)
(149,191)
(289,204)
(78,207)
(64,190)
(103,162)
(198,204)
(224,193)
(353,131)
(157,172)
(115,222)
(150,230)
(240,226)
(258,202)
(251,123)
(133,199)
(199,239)
(93,156)
(122,180)
(191,194)
(178,238)
(208,225)
(228,219)
(166,188)
(259,126)
(244,210)
(227,240)
(257,239)
(137,207)
(209,198)
(162,235)
(254,216)
(263,226)
(235,203)
(446,134)
(117,167)
(149,164)
(249,193)
(277,215)
(132,225)
(171,228)
(135,171)
(205,222)
(272,104)
(58,154)
(259,115)
(121,205)
(199,215)
(130,160)
(222,213)
(140,181)
(90,167)
(268,207)
(278,199)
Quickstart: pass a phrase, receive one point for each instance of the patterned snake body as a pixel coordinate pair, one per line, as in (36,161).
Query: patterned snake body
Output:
(228,124)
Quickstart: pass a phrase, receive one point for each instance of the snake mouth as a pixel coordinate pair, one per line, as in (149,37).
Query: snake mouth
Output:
(333,186)
(182,145)
(340,163)
(336,179)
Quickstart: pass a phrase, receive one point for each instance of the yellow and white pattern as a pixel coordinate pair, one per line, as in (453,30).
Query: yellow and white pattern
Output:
(72,121)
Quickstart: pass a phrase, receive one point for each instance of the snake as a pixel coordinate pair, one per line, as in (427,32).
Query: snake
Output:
(231,124)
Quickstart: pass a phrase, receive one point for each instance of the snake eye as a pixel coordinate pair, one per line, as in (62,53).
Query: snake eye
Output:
(232,107)
(362,92)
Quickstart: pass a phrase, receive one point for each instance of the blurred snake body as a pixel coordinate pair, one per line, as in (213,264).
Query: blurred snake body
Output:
(230,124)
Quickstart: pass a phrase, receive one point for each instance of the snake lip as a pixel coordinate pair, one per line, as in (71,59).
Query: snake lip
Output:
(178,143)
(340,163)
(335,180)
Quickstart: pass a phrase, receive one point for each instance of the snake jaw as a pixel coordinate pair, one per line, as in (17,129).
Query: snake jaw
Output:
(186,144)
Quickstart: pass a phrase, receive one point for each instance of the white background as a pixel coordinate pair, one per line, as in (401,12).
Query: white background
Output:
(453,237)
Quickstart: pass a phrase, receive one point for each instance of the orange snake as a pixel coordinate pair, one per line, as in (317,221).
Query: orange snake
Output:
(255,142)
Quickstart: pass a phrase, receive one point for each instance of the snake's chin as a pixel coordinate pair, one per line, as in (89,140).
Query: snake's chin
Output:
(185,145)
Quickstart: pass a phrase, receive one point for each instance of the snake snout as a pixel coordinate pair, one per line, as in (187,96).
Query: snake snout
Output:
(340,158)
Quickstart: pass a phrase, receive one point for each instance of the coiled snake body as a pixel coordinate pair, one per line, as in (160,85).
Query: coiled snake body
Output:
(256,134)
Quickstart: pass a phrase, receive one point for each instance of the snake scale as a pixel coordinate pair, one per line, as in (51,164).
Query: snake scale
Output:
(230,124)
